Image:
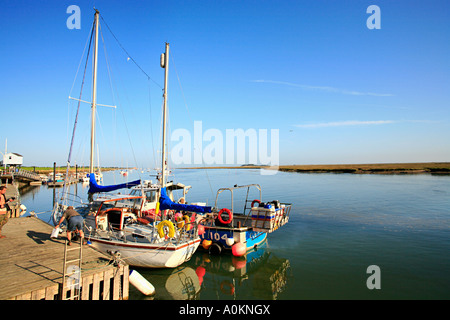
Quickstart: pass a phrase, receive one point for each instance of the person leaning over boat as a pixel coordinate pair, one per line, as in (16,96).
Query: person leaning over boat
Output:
(3,209)
(74,223)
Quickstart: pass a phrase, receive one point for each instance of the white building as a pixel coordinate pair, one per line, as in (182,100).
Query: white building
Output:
(12,159)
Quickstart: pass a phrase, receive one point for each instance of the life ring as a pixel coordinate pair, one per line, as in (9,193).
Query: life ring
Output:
(168,224)
(180,222)
(187,223)
(227,287)
(254,201)
(184,222)
(230,216)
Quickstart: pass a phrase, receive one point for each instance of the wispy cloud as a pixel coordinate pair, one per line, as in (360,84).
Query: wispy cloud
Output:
(344,123)
(358,123)
(325,88)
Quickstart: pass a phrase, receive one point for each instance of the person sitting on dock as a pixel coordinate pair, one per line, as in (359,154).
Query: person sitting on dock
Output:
(3,209)
(74,223)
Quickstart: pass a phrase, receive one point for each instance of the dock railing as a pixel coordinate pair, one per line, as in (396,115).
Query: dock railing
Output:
(20,173)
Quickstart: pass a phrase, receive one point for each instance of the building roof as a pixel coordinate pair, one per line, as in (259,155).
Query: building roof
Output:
(19,155)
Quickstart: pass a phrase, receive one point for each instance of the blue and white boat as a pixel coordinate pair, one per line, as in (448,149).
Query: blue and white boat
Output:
(229,229)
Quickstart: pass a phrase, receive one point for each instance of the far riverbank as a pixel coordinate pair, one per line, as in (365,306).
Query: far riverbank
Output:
(47,170)
(376,168)
(380,168)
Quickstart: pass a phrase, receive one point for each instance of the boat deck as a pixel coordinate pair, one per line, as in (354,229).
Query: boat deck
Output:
(31,265)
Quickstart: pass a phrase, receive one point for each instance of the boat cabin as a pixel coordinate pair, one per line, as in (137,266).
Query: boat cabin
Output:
(151,192)
(116,213)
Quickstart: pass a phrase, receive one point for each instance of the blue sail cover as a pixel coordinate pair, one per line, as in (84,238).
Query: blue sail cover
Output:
(94,187)
(166,204)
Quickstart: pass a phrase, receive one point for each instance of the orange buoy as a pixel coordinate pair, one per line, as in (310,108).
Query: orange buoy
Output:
(206,244)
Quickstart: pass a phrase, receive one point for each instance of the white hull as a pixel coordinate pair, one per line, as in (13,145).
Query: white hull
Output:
(149,255)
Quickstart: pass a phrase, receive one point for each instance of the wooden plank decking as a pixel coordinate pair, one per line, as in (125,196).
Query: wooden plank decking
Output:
(31,265)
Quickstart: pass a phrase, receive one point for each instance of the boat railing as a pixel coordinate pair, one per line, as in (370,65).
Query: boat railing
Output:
(181,233)
(232,189)
(271,216)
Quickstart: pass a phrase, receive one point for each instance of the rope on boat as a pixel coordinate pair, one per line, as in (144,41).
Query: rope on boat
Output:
(128,55)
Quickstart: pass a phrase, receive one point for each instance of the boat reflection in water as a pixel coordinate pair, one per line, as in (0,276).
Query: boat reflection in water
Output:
(260,274)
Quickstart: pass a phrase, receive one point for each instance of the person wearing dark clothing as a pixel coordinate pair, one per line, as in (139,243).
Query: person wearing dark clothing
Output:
(74,223)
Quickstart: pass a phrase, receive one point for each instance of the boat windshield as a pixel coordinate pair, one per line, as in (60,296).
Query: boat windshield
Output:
(149,194)
(125,202)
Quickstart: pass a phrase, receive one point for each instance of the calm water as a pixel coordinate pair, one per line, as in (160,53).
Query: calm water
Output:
(340,224)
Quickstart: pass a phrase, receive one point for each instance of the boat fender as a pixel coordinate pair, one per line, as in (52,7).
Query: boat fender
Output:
(230,216)
(23,209)
(206,244)
(140,283)
(178,215)
(161,226)
(238,249)
(255,201)
(201,229)
(229,241)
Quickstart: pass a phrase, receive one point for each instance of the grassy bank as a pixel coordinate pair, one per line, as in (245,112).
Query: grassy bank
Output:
(47,170)
(380,168)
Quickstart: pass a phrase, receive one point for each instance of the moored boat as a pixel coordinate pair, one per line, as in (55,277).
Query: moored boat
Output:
(241,231)
(120,225)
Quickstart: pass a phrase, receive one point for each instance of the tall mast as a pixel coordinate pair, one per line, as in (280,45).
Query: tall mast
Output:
(165,65)
(94,93)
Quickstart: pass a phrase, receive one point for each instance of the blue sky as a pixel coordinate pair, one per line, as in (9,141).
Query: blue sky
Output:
(337,91)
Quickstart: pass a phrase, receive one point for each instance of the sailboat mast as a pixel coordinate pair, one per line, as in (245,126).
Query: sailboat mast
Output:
(165,65)
(94,93)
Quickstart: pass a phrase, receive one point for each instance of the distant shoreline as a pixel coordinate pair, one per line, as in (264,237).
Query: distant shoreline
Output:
(376,168)
(46,170)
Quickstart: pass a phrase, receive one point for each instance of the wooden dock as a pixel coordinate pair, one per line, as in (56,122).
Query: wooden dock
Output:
(31,266)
